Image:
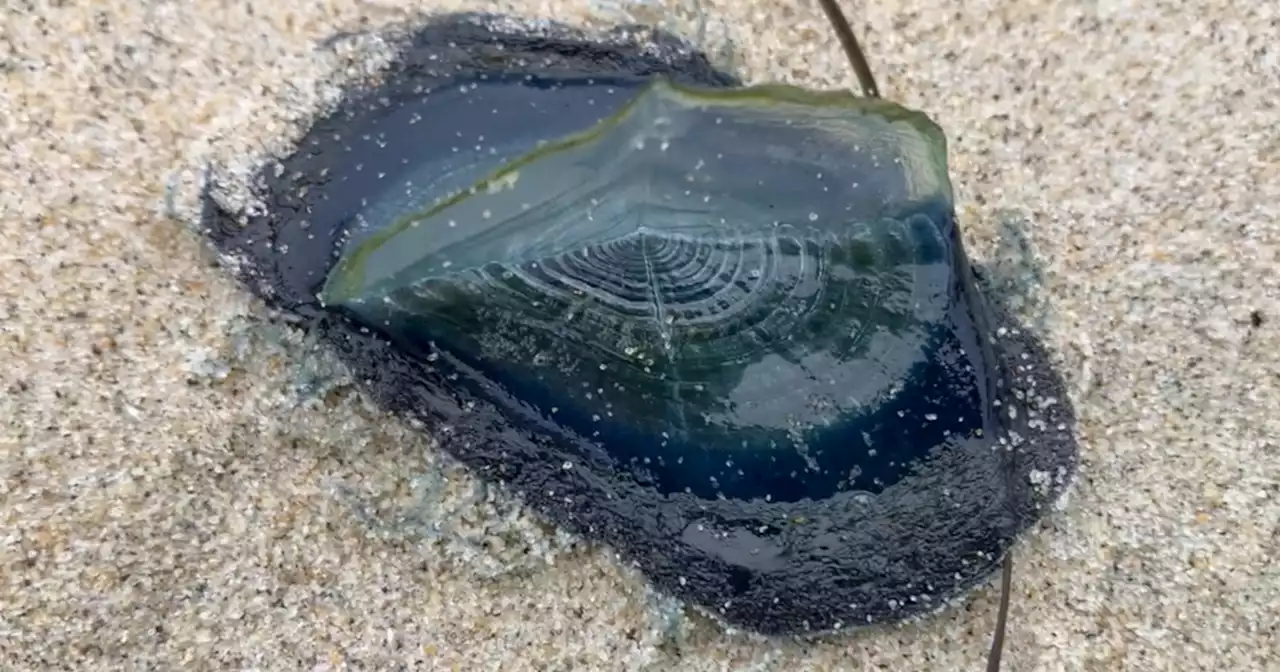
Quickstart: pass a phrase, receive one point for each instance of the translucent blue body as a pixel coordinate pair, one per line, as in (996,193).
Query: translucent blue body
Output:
(732,333)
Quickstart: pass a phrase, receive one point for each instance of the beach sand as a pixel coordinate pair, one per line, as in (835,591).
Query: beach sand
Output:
(184,486)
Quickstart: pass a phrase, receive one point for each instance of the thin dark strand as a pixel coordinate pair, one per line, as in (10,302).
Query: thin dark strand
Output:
(851,48)
(997,640)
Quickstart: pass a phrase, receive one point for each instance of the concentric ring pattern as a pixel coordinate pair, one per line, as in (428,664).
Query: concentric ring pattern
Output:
(677,351)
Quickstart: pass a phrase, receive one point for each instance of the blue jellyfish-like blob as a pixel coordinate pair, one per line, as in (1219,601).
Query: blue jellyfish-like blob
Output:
(731,332)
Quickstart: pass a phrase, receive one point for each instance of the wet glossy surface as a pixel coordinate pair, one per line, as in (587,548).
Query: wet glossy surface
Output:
(732,334)
(665,287)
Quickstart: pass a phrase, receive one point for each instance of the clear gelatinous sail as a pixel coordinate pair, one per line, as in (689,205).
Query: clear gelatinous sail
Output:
(676,161)
(749,277)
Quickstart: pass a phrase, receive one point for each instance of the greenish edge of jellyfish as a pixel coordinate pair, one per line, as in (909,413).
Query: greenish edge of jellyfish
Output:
(345,281)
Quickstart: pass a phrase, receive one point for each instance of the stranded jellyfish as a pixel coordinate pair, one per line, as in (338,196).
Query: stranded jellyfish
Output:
(729,331)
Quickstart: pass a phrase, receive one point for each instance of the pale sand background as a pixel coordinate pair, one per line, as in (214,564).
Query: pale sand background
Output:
(178,489)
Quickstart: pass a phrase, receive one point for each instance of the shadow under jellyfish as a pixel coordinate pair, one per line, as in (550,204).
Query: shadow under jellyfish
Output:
(731,332)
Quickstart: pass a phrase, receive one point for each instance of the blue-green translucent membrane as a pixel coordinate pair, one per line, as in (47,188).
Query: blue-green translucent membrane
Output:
(736,288)
(676,161)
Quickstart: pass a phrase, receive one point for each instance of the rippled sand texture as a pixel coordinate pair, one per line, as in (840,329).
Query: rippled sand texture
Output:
(182,485)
